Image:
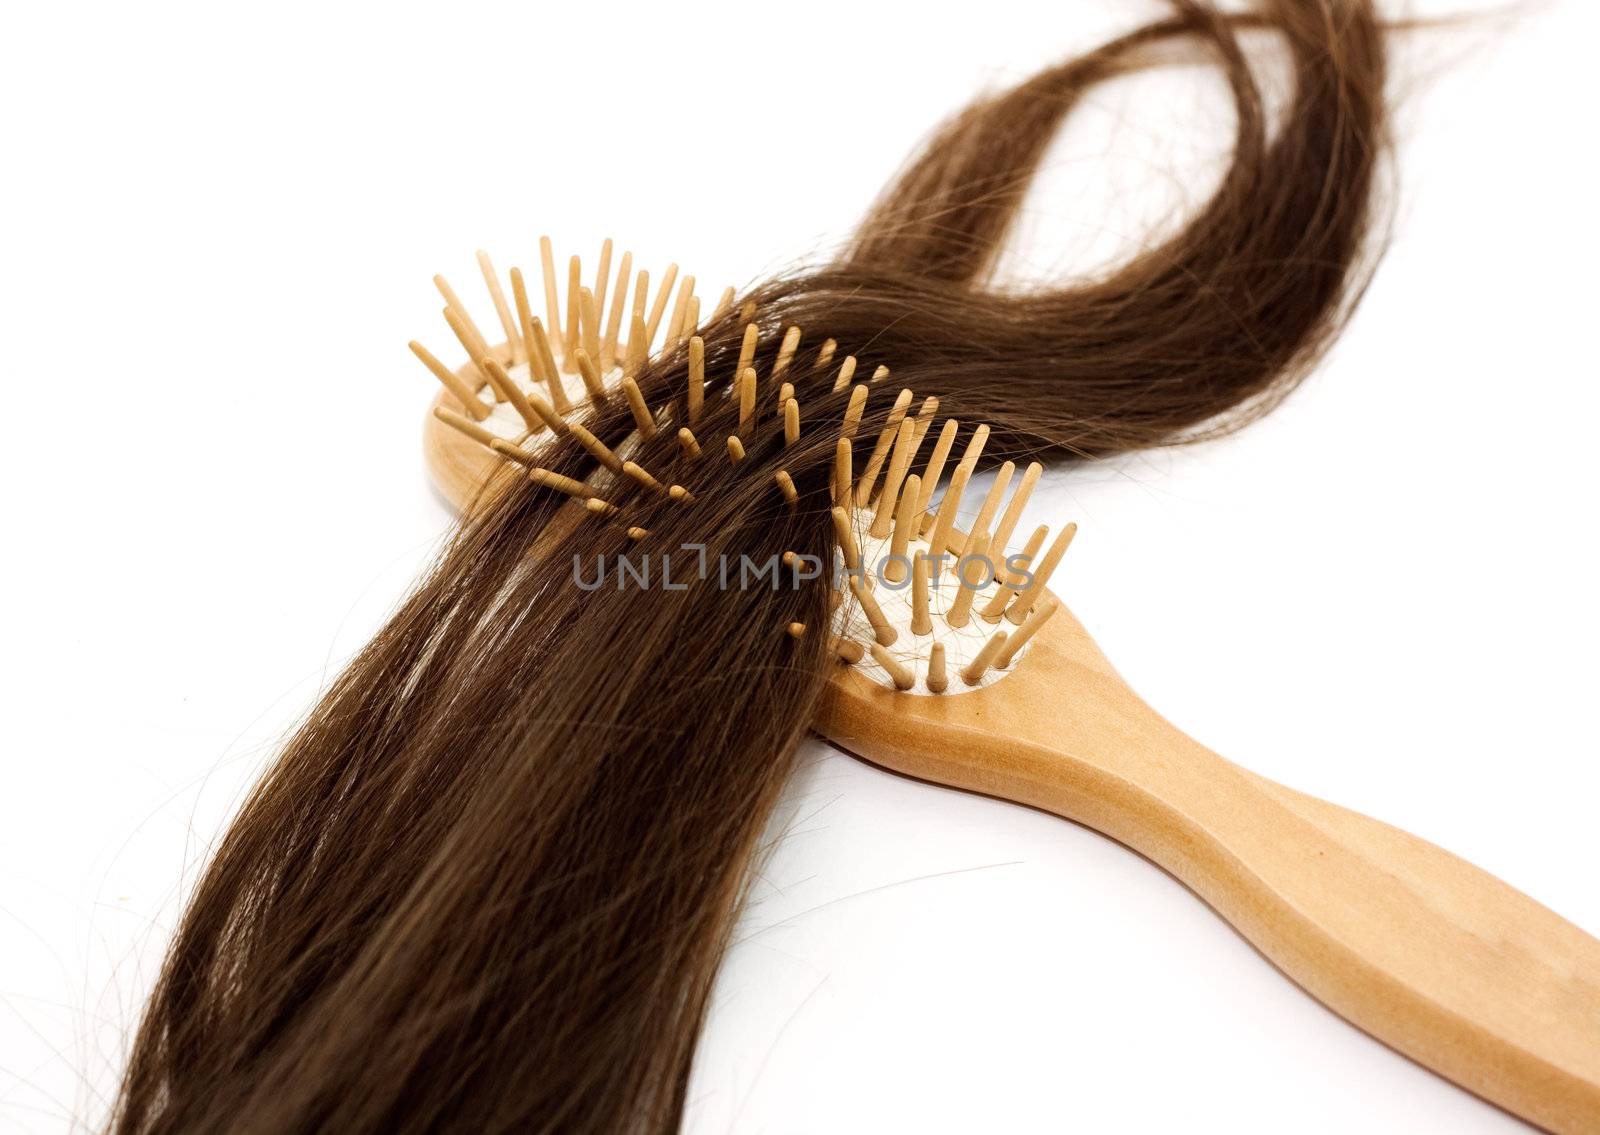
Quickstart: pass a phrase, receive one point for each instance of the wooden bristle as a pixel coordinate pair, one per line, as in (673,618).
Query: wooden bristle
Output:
(696,395)
(735,449)
(638,473)
(642,417)
(847,371)
(599,507)
(791,422)
(545,366)
(937,681)
(825,353)
(552,307)
(589,315)
(899,673)
(853,412)
(747,349)
(548,414)
(591,379)
(796,630)
(559,483)
(882,629)
(466,425)
(660,307)
(960,612)
(471,342)
(786,486)
(510,392)
(1030,626)
(508,324)
(939,534)
(637,348)
(747,400)
(880,374)
(935,469)
(524,314)
(598,449)
(921,615)
(930,407)
(848,648)
(688,443)
(619,304)
(889,499)
(637,318)
(574,307)
(451,300)
(1008,588)
(680,494)
(991,501)
(1014,507)
(601,273)
(1018,611)
(724,302)
(680,308)
(637,533)
(880,452)
(843,479)
(451,382)
(845,533)
(979,666)
(512,452)
(904,525)
(786,350)
(691,318)
(975,445)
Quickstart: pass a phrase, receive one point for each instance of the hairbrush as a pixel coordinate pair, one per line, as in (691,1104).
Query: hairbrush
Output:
(958,665)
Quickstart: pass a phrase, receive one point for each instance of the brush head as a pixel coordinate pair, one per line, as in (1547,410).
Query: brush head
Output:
(592,332)
(920,606)
(933,609)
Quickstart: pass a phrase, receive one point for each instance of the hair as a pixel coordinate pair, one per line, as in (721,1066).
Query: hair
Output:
(487,884)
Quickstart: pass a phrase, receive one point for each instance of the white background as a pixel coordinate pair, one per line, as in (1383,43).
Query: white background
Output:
(219,227)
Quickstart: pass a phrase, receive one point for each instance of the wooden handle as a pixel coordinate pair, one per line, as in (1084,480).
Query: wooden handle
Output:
(1426,952)
(1421,949)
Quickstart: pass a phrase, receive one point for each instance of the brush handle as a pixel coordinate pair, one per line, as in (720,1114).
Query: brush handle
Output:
(1420,948)
(1431,955)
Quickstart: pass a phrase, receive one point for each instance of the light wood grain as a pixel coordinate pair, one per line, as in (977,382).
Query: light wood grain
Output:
(1424,951)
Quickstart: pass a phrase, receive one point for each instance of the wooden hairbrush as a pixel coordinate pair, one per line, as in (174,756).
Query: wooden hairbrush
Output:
(967,671)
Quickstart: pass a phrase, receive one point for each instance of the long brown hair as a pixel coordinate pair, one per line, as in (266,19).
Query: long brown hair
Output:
(487,884)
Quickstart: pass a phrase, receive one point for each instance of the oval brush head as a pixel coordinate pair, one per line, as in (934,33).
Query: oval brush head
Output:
(932,609)
(936,609)
(581,352)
